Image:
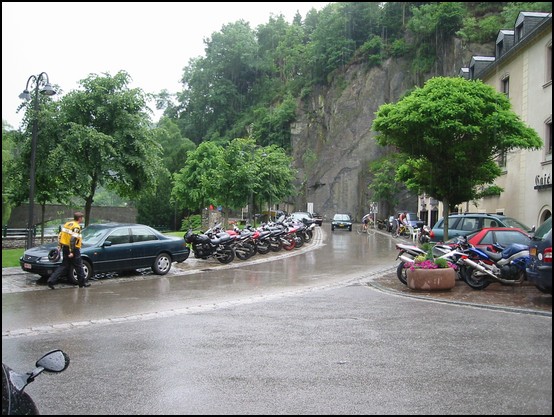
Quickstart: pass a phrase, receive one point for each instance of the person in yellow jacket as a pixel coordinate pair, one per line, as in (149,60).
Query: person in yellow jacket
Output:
(70,240)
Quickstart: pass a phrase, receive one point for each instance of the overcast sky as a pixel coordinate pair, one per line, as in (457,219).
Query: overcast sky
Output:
(153,42)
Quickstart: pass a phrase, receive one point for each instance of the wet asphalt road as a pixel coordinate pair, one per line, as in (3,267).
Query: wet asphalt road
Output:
(301,334)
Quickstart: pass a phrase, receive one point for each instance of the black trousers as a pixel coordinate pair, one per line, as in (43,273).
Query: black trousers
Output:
(75,261)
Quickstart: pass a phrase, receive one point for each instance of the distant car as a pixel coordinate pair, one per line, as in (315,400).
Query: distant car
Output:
(303,216)
(317,218)
(113,247)
(341,221)
(488,236)
(465,223)
(539,270)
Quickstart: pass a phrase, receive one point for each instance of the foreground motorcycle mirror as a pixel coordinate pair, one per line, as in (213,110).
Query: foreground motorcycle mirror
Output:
(55,361)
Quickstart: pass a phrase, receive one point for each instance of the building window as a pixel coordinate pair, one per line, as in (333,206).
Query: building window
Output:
(549,63)
(548,140)
(519,32)
(502,159)
(499,49)
(506,85)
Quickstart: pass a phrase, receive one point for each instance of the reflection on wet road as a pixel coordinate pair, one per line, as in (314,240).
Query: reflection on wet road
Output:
(333,258)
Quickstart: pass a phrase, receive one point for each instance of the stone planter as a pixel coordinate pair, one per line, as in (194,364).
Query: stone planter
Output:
(431,279)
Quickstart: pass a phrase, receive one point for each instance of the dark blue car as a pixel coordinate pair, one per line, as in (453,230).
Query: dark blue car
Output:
(114,247)
(539,270)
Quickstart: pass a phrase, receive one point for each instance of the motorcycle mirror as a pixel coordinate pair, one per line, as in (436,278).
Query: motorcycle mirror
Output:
(54,361)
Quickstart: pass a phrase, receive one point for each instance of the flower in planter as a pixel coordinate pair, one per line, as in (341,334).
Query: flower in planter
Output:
(427,262)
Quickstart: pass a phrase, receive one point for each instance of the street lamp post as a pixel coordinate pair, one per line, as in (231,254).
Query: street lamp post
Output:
(42,84)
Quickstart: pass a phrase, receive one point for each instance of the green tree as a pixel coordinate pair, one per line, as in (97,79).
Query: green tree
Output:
(452,131)
(106,139)
(49,185)
(384,187)
(195,185)
(157,208)
(9,137)
(229,72)
(263,174)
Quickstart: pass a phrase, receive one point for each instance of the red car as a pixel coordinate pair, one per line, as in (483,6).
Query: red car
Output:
(487,236)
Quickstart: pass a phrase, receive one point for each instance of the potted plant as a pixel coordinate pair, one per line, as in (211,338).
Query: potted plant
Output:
(427,273)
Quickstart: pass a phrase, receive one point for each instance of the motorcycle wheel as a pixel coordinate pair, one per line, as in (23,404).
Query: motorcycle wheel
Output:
(263,247)
(475,280)
(299,240)
(226,256)
(245,251)
(275,245)
(424,239)
(308,236)
(522,276)
(402,273)
(291,243)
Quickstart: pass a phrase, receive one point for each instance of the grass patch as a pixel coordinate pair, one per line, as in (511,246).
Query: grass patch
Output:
(178,234)
(10,257)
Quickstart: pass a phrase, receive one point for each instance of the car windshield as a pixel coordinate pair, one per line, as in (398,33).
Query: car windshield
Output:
(468,237)
(514,223)
(342,217)
(92,234)
(543,229)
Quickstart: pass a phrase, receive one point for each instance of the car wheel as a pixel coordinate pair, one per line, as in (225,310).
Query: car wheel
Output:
(87,270)
(544,290)
(162,264)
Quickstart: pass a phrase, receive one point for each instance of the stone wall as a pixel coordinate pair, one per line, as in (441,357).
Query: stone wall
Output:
(20,215)
(332,140)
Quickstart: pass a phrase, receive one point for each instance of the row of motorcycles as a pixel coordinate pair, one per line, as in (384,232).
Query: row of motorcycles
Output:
(476,267)
(226,245)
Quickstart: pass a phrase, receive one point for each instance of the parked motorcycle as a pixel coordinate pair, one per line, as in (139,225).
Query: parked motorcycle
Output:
(205,245)
(424,235)
(244,244)
(15,401)
(482,267)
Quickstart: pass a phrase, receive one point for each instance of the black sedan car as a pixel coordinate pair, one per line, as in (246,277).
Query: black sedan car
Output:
(341,221)
(539,269)
(113,247)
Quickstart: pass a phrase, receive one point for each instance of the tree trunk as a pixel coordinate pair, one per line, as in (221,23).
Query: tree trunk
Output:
(445,212)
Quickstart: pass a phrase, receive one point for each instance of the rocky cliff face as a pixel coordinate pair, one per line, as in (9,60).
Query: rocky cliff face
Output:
(332,139)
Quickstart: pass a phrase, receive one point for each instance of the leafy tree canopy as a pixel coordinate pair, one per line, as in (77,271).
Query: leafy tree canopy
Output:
(106,139)
(452,130)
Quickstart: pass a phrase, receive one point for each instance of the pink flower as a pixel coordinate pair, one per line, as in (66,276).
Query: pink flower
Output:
(427,264)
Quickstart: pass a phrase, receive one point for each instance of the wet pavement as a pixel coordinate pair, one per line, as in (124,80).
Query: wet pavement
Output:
(524,297)
(323,330)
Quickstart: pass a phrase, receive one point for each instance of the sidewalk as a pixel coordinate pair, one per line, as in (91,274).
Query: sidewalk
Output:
(524,297)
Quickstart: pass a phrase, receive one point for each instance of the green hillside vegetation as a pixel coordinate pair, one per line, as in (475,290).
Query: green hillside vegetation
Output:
(247,85)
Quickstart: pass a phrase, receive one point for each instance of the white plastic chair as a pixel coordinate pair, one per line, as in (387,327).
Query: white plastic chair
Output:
(414,233)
